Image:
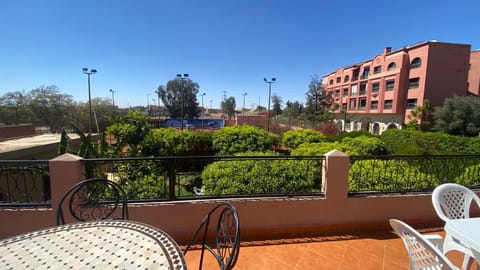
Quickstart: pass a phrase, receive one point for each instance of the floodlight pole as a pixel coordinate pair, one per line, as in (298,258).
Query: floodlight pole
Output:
(182,78)
(273,80)
(89,72)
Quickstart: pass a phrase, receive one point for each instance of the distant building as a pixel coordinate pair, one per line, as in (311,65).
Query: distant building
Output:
(381,92)
(474,74)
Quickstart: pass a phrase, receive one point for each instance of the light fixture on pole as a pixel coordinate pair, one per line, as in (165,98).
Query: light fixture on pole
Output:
(202,101)
(113,99)
(273,80)
(89,72)
(158,100)
(243,108)
(182,78)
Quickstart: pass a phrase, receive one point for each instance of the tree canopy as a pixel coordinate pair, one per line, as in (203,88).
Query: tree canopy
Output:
(319,103)
(458,116)
(180,94)
(228,106)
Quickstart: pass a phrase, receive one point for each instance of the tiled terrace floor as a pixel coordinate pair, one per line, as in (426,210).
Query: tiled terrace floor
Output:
(380,250)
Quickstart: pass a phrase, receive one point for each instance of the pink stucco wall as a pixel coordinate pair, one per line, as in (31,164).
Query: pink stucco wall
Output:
(474,74)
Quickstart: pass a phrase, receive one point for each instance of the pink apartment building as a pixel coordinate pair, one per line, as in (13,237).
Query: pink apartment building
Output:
(381,92)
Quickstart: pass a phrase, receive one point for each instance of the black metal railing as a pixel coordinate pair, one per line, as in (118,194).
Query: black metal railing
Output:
(176,178)
(402,174)
(25,182)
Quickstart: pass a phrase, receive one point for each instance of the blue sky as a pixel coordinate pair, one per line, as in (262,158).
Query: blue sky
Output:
(228,47)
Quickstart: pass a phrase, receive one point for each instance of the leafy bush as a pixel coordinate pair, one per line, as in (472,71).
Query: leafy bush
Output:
(402,142)
(142,180)
(260,176)
(472,146)
(130,129)
(413,142)
(241,138)
(294,138)
(364,146)
(388,176)
(171,142)
(470,177)
(317,149)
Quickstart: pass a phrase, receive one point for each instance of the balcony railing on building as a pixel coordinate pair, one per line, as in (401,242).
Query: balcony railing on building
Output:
(27,183)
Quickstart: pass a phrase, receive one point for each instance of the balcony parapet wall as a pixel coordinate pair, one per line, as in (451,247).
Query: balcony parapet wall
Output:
(260,218)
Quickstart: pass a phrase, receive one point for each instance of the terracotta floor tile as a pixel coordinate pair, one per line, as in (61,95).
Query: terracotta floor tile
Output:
(382,251)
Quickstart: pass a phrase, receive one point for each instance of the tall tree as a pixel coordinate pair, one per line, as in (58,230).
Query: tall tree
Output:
(228,106)
(14,108)
(458,116)
(180,94)
(50,107)
(422,117)
(320,103)
(277,105)
(293,109)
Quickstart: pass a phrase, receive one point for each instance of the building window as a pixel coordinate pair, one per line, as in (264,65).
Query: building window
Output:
(374,105)
(346,79)
(354,90)
(416,63)
(362,104)
(392,66)
(377,69)
(388,104)
(339,79)
(353,104)
(411,103)
(366,72)
(389,85)
(344,107)
(331,81)
(363,89)
(345,92)
(337,92)
(413,83)
(375,87)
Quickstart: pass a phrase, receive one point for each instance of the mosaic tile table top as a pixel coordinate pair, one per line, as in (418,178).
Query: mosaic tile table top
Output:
(103,244)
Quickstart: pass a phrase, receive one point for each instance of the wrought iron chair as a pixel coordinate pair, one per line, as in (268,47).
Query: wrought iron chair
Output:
(421,252)
(453,201)
(93,199)
(227,236)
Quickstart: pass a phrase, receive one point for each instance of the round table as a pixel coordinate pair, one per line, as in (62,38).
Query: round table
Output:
(106,244)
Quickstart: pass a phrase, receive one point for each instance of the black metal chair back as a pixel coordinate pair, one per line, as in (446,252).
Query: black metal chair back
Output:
(227,236)
(93,199)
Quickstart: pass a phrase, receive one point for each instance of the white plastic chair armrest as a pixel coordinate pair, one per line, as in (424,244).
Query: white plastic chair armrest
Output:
(436,240)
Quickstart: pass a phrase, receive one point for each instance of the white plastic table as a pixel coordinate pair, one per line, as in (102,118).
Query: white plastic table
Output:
(105,244)
(465,232)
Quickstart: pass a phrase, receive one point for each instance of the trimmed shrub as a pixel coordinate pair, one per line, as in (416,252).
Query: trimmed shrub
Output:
(171,142)
(260,176)
(388,176)
(364,146)
(294,138)
(241,138)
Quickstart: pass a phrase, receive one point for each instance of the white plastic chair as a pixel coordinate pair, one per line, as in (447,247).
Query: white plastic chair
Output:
(453,201)
(422,253)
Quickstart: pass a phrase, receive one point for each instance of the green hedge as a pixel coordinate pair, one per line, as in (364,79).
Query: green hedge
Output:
(241,138)
(294,138)
(260,176)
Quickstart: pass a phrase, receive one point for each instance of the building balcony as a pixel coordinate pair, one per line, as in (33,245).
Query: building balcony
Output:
(329,229)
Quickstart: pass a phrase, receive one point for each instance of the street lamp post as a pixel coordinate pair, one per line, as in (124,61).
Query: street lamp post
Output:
(182,78)
(89,72)
(243,108)
(158,100)
(113,99)
(273,80)
(202,101)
